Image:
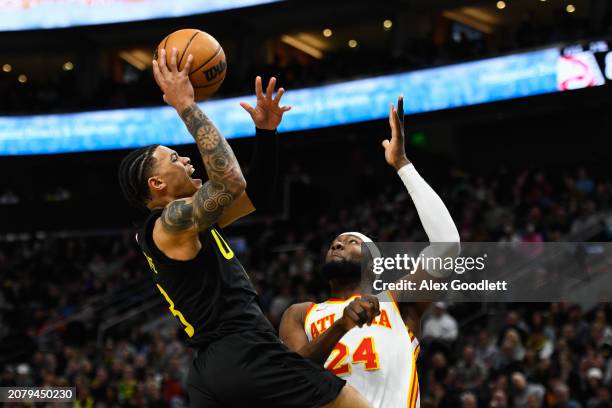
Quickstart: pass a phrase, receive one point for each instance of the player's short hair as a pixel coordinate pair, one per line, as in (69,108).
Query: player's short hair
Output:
(134,172)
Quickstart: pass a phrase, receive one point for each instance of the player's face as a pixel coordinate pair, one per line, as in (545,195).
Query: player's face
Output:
(344,248)
(174,172)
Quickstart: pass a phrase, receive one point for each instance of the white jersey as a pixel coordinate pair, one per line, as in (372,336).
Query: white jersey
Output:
(378,360)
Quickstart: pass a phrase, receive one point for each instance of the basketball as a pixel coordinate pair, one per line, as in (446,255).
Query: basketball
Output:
(209,65)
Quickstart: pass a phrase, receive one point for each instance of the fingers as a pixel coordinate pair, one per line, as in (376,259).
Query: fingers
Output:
(248,108)
(163,68)
(285,109)
(385,144)
(363,317)
(370,311)
(187,67)
(173,58)
(373,300)
(400,110)
(157,73)
(279,95)
(270,89)
(359,315)
(351,314)
(400,106)
(258,91)
(365,311)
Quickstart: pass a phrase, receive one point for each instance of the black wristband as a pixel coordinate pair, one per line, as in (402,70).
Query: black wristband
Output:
(264,132)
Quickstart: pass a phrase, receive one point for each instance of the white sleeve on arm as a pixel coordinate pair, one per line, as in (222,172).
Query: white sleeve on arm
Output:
(437,221)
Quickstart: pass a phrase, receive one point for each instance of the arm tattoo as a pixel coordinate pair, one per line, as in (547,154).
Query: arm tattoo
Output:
(226,181)
(178,215)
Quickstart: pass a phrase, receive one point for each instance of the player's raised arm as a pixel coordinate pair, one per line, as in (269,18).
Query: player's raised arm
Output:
(225,179)
(263,168)
(435,218)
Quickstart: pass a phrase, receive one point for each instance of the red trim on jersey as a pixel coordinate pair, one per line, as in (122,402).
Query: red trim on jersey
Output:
(312,305)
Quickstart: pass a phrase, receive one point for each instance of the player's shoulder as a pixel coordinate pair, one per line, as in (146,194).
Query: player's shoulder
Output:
(298,311)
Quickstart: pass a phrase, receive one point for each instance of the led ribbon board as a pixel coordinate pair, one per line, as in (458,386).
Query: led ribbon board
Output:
(427,90)
(18,15)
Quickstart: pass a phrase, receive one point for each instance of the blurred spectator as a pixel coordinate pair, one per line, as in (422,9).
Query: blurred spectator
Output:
(562,398)
(470,372)
(440,325)
(468,400)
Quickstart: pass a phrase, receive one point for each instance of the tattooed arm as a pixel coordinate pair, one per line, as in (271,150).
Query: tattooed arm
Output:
(225,180)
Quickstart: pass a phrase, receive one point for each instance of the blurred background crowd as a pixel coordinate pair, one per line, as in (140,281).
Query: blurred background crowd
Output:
(58,294)
(77,303)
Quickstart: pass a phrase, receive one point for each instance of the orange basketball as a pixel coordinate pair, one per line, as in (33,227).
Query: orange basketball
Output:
(209,66)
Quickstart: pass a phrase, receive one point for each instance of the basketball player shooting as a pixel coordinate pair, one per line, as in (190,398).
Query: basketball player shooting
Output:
(240,360)
(378,358)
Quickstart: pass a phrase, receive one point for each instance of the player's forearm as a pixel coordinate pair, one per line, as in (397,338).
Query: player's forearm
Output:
(435,218)
(321,347)
(219,159)
(263,169)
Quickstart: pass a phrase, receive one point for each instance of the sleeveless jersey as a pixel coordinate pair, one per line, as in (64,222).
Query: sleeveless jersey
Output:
(210,295)
(378,360)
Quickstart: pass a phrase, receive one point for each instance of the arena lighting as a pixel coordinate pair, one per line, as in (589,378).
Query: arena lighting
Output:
(327,32)
(570,8)
(302,46)
(68,66)
(495,79)
(501,5)
(387,24)
(139,59)
(22,79)
(32,15)
(352,43)
(7,68)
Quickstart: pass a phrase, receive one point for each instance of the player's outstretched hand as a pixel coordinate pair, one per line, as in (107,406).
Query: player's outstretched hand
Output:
(175,84)
(395,149)
(360,311)
(267,113)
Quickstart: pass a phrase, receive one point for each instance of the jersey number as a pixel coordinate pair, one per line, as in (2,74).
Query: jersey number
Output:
(364,353)
(227,253)
(176,313)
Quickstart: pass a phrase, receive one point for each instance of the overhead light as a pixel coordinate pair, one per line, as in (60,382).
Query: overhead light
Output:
(484,22)
(302,46)
(7,68)
(501,4)
(68,66)
(312,40)
(327,32)
(22,78)
(387,24)
(570,8)
(352,43)
(543,1)
(139,59)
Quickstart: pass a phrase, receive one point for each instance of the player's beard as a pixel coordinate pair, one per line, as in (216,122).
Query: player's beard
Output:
(345,271)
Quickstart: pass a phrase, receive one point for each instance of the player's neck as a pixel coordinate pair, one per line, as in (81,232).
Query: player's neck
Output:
(344,292)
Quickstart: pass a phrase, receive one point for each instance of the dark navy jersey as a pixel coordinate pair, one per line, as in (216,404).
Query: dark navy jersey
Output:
(211,295)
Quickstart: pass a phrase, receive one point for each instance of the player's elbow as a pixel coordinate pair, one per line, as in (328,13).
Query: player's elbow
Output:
(238,186)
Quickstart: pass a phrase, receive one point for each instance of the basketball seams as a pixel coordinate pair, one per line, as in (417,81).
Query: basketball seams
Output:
(165,41)
(219,49)
(186,48)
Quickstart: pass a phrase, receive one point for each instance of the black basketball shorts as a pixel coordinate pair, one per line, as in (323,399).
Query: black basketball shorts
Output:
(254,369)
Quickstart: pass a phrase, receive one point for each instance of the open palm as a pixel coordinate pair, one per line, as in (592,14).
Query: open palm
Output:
(267,113)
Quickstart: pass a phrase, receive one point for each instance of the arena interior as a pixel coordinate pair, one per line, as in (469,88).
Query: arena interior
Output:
(515,163)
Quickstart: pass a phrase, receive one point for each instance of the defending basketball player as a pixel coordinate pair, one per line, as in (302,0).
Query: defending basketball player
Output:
(240,360)
(378,359)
